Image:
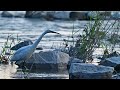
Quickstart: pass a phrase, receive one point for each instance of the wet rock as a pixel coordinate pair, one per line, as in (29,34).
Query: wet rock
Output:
(112,62)
(6,14)
(22,44)
(44,61)
(102,14)
(16,14)
(114,54)
(116,76)
(106,13)
(78,15)
(51,15)
(60,15)
(32,14)
(90,71)
(115,15)
(35,14)
(73,60)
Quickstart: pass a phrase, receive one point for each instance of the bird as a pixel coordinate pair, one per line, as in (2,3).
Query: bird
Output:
(24,53)
(21,44)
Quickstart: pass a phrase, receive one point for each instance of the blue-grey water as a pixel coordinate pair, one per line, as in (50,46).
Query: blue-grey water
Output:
(32,29)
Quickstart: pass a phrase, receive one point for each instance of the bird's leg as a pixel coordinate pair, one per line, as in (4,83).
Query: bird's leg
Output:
(25,70)
(31,65)
(23,67)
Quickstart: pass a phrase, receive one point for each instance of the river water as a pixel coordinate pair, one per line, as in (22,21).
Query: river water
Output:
(32,29)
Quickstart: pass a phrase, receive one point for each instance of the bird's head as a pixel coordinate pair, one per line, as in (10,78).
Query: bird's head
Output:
(49,31)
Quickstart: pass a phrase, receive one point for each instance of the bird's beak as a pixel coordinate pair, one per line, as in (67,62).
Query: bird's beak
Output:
(55,32)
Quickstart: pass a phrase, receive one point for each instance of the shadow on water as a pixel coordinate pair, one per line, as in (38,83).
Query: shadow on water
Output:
(13,72)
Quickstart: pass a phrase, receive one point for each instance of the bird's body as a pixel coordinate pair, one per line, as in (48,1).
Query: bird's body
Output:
(22,53)
(26,52)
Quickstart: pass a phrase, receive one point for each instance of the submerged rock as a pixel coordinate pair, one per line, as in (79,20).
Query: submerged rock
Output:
(112,62)
(21,44)
(90,71)
(51,61)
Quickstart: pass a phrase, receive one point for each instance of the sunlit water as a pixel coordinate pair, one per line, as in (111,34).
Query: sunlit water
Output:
(32,29)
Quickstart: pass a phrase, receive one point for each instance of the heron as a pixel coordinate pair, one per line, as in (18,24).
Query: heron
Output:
(24,53)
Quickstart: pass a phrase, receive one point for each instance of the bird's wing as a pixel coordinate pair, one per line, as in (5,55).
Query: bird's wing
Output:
(21,54)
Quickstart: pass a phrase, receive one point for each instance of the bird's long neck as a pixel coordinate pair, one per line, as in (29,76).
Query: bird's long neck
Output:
(38,40)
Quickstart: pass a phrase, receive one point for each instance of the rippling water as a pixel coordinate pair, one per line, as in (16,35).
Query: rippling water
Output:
(32,29)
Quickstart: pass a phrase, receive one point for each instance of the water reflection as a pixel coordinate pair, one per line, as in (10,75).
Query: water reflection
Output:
(6,71)
(13,72)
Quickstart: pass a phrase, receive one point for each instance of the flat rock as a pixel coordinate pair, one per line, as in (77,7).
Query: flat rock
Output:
(112,62)
(90,71)
(73,60)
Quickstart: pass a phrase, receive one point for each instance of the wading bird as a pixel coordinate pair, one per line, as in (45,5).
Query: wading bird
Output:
(26,52)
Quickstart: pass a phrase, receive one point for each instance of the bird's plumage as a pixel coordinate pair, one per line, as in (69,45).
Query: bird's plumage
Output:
(26,52)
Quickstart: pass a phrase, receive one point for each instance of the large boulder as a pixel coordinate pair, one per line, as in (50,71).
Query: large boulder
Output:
(12,14)
(51,61)
(35,14)
(60,14)
(6,14)
(19,14)
(101,14)
(112,62)
(78,15)
(90,71)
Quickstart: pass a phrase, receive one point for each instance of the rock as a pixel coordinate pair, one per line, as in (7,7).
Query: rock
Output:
(21,44)
(28,14)
(19,14)
(12,14)
(113,54)
(90,71)
(35,14)
(112,62)
(78,15)
(51,61)
(105,13)
(6,14)
(60,15)
(92,15)
(115,15)
(116,76)
(73,60)
(102,14)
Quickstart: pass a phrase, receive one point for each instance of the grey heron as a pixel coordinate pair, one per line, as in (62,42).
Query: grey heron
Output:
(24,53)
